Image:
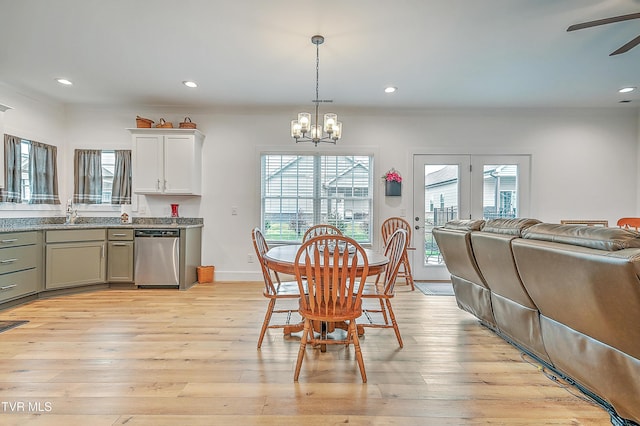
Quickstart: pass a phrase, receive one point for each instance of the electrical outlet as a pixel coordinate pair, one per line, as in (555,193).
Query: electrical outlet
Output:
(250,258)
(234,211)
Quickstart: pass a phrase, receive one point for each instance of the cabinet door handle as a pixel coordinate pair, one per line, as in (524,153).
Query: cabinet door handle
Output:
(119,235)
(120,244)
(165,185)
(102,250)
(8,261)
(8,287)
(158,185)
(11,240)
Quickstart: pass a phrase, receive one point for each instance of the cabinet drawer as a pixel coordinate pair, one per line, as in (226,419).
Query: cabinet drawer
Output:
(18,284)
(18,258)
(14,239)
(71,235)
(120,234)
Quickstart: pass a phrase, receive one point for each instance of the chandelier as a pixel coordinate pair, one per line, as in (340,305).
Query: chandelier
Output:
(302,129)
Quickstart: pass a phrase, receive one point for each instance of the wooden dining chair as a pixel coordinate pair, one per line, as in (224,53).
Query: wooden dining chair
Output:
(272,291)
(389,226)
(334,268)
(321,229)
(385,290)
(629,222)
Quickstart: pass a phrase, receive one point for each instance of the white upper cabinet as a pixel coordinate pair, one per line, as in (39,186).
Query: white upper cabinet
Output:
(167,161)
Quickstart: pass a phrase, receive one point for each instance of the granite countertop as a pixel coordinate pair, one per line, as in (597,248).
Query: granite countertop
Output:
(56,223)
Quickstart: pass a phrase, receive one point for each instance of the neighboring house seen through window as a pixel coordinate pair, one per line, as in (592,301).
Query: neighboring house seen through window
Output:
(298,191)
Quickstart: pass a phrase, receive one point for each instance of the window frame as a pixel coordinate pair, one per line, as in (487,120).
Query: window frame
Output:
(316,153)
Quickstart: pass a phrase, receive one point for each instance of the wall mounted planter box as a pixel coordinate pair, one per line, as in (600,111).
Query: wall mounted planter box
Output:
(392,188)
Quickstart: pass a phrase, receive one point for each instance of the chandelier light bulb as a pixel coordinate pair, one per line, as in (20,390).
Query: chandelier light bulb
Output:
(296,129)
(304,119)
(330,120)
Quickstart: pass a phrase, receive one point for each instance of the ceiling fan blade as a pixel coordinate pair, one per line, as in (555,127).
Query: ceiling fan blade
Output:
(603,21)
(633,43)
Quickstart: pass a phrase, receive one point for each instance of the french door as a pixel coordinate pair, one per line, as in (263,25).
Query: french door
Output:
(449,187)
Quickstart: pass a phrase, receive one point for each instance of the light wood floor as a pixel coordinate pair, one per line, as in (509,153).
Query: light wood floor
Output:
(164,357)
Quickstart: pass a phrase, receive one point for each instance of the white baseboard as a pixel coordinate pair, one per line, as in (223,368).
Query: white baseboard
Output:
(238,276)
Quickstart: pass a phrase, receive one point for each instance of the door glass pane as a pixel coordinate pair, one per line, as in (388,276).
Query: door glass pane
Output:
(441,204)
(500,191)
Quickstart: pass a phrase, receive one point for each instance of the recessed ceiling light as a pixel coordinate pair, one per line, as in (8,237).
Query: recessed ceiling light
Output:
(390,89)
(64,81)
(627,89)
(190,83)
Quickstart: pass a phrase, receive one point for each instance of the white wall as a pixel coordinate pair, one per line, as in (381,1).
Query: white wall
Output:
(584,161)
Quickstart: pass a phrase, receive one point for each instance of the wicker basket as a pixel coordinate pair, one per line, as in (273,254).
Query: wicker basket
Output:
(205,274)
(143,122)
(164,124)
(187,124)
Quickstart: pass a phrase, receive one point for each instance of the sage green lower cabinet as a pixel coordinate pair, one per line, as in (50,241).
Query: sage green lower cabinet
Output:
(20,264)
(120,256)
(75,258)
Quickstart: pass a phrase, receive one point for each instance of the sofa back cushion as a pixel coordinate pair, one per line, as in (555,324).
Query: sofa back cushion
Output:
(465,224)
(455,247)
(595,237)
(512,227)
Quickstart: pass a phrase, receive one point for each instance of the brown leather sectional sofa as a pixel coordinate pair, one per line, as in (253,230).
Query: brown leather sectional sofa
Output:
(569,295)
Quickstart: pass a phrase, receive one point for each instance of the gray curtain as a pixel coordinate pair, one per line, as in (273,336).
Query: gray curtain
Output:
(121,190)
(12,170)
(87,176)
(43,174)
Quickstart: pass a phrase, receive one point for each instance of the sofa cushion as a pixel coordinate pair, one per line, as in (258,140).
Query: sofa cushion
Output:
(465,224)
(508,226)
(595,237)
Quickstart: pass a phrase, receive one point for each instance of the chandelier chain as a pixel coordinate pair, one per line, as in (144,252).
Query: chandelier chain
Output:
(317,73)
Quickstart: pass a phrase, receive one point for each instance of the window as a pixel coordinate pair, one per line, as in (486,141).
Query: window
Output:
(108,165)
(102,176)
(24,185)
(299,191)
(30,172)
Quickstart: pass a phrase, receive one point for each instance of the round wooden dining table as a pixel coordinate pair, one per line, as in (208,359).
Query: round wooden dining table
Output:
(282,259)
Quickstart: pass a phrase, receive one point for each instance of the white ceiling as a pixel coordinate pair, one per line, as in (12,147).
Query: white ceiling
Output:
(439,53)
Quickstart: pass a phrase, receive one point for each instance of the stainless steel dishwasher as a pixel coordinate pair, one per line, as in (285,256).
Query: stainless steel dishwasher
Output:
(157,254)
